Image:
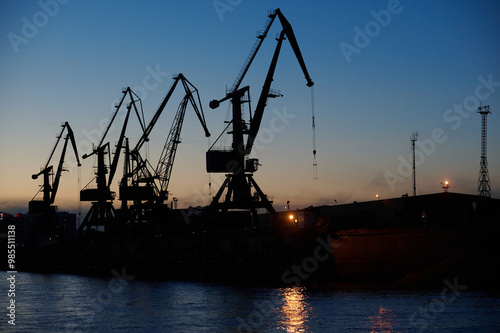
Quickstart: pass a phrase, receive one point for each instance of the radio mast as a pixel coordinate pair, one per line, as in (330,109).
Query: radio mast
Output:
(484,189)
(414,138)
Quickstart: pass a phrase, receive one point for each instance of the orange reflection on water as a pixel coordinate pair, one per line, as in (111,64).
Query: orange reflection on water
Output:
(295,310)
(382,321)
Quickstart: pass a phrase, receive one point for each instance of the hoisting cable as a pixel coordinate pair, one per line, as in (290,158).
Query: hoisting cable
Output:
(315,165)
(79,189)
(209,174)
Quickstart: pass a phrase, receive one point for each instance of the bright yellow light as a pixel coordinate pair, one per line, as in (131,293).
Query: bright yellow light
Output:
(376,195)
(290,217)
(446,182)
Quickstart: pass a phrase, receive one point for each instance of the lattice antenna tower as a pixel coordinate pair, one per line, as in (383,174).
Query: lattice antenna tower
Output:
(414,138)
(484,189)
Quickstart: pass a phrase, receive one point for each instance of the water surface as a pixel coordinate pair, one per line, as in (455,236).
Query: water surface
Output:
(69,303)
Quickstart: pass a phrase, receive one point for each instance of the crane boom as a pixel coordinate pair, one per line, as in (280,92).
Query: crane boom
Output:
(166,162)
(119,146)
(191,91)
(167,158)
(55,183)
(117,108)
(145,136)
(260,38)
(131,94)
(261,104)
(54,148)
(287,28)
(71,137)
(259,111)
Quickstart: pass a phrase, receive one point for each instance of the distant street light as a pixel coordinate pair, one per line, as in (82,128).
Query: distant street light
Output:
(445,185)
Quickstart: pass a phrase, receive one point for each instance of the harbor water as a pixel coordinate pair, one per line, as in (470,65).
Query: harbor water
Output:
(71,303)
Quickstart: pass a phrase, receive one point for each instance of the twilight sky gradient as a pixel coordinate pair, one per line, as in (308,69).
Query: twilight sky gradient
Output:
(382,69)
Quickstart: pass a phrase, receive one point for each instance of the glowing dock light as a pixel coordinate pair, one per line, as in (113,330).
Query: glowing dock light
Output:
(445,185)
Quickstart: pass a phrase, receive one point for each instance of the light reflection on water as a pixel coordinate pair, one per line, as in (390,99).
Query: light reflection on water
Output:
(68,303)
(382,321)
(295,310)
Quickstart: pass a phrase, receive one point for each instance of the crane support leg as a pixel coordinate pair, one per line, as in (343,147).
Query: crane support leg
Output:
(242,199)
(100,214)
(262,196)
(216,198)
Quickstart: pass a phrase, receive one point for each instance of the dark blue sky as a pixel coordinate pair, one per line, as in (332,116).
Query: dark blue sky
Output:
(382,69)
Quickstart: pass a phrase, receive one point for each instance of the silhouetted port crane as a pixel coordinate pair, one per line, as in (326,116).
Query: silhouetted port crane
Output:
(142,182)
(232,161)
(48,222)
(102,212)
